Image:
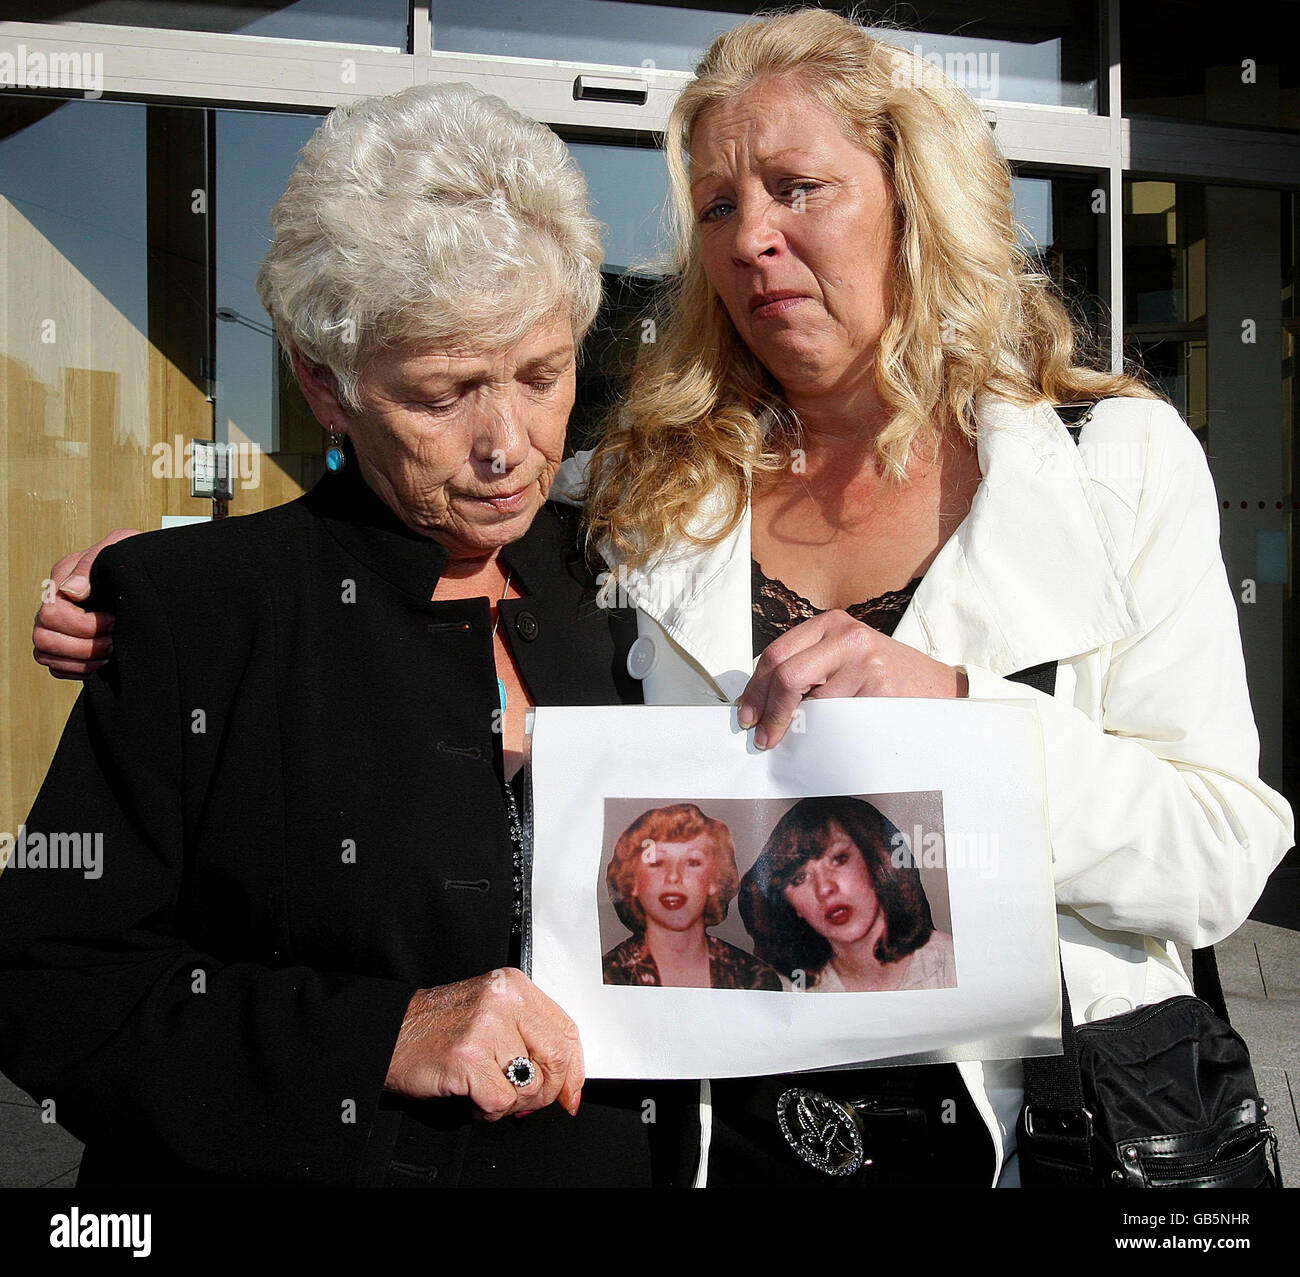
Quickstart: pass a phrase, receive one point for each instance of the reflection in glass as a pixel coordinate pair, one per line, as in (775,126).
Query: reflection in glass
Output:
(1001,70)
(1164,253)
(100,350)
(1179,370)
(1165,291)
(628,186)
(1058,226)
(258,407)
(1010,53)
(608,31)
(1222,65)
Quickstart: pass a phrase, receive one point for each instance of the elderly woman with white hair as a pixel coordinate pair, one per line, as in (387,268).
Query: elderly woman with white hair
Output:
(299,965)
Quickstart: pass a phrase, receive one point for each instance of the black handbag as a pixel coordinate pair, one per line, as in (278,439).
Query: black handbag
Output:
(1160,1097)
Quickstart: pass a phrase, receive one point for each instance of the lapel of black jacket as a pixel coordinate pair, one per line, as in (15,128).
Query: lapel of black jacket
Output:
(569,650)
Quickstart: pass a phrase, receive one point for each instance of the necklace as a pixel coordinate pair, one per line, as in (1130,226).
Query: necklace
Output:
(515,825)
(501,687)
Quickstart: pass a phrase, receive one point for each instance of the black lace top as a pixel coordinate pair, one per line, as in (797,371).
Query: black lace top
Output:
(747,1148)
(778,608)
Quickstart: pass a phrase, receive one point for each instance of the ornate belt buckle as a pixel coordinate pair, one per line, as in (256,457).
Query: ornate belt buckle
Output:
(825,1133)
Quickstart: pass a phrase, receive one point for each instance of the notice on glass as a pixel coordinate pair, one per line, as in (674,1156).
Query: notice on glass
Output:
(876,889)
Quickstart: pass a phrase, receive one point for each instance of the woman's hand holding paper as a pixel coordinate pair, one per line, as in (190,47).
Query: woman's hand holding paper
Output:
(833,655)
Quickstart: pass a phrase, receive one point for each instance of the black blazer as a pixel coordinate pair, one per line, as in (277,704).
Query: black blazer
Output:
(292,762)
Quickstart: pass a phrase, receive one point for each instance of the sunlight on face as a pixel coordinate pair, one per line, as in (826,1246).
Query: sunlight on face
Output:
(796,226)
(463,445)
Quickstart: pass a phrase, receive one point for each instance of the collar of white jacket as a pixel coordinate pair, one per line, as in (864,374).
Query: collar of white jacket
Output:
(1035,536)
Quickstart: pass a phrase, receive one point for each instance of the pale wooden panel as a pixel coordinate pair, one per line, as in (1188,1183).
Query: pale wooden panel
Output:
(81,410)
(276,477)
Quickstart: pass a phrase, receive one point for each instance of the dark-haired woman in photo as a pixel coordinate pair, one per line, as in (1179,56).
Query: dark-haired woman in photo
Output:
(672,875)
(828,897)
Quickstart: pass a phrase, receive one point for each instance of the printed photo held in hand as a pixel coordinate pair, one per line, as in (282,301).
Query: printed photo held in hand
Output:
(901,914)
(835,896)
(671,876)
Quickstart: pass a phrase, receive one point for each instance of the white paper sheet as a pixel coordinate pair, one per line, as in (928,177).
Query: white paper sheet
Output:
(969,772)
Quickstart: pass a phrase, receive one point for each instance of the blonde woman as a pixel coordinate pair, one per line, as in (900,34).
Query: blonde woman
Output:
(841,458)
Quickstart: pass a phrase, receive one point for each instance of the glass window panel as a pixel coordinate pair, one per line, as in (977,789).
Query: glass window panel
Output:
(628,186)
(53,164)
(1221,65)
(607,31)
(1178,368)
(1030,69)
(103,328)
(609,353)
(1058,226)
(1033,201)
(381,22)
(1010,52)
(278,443)
(1164,253)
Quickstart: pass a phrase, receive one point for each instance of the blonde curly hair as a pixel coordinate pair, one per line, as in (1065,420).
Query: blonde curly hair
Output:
(704,420)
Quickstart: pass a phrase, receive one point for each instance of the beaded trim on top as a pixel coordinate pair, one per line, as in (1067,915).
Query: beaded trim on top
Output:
(778,608)
(515,825)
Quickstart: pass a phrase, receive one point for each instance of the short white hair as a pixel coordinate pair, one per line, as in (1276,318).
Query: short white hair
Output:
(433,218)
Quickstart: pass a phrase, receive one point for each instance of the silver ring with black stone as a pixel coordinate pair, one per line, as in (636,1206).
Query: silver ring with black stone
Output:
(521,1072)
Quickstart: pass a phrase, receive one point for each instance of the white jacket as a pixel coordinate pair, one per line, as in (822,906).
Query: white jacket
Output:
(1103,556)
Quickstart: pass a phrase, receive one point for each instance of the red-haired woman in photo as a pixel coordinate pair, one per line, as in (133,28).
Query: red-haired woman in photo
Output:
(672,876)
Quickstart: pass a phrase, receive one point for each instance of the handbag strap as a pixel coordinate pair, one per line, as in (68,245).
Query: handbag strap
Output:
(1206,983)
(1054,1116)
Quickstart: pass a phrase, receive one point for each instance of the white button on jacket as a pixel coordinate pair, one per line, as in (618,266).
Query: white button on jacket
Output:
(1106,1007)
(641,657)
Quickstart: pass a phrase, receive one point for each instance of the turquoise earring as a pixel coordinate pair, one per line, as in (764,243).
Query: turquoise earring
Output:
(335,459)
